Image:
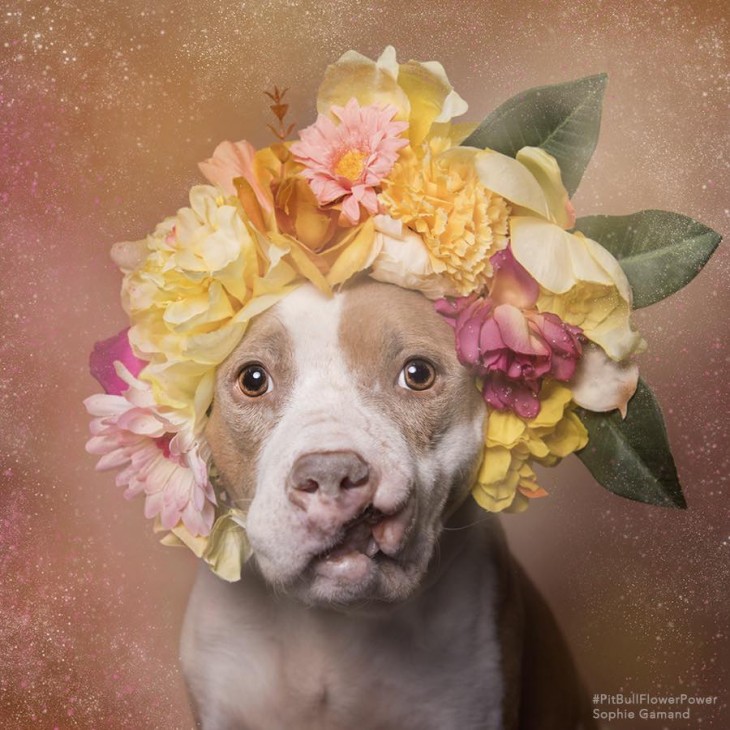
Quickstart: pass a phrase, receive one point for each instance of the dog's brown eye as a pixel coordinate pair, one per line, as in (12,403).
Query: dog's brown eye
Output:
(417,375)
(254,381)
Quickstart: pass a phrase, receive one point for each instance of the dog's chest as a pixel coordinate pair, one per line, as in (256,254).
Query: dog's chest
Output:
(381,677)
(267,667)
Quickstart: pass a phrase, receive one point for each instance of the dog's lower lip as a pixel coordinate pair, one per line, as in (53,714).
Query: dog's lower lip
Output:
(373,534)
(354,555)
(345,548)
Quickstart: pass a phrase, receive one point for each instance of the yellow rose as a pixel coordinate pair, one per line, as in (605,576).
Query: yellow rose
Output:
(579,281)
(313,243)
(204,275)
(420,91)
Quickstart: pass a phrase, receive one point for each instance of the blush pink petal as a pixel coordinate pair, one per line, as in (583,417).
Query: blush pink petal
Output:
(229,161)
(515,332)
(512,284)
(351,209)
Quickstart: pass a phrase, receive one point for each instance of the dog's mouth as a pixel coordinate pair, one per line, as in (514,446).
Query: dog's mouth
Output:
(368,540)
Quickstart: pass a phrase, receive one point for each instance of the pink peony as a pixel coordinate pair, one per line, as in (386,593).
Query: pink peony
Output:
(508,343)
(103,357)
(346,161)
(157,452)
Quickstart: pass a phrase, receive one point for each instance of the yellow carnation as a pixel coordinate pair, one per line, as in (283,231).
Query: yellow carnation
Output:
(506,479)
(438,195)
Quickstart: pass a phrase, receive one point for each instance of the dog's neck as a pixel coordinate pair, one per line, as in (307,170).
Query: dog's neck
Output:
(245,645)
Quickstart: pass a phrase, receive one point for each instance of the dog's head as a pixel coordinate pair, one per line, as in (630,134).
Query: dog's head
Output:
(347,429)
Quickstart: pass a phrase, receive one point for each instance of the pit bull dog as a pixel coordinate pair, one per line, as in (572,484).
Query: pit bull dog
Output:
(379,596)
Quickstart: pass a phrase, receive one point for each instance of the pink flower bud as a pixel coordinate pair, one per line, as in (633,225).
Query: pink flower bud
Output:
(103,357)
(507,342)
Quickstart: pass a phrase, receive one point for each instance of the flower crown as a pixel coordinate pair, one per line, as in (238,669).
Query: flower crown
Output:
(478,219)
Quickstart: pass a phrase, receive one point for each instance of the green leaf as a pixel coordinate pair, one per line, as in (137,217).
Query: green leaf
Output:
(563,119)
(631,457)
(660,251)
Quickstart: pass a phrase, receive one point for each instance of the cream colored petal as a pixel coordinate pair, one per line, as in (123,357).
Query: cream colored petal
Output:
(455,132)
(203,398)
(203,201)
(174,383)
(355,256)
(102,404)
(545,170)
(405,262)
(512,180)
(431,97)
(223,245)
(228,547)
(201,310)
(610,265)
(128,255)
(615,336)
(558,259)
(543,250)
(196,543)
(356,76)
(602,384)
(388,225)
(561,261)
(453,105)
(387,61)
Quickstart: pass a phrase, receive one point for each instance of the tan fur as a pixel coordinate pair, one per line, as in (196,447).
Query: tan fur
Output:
(238,425)
(379,334)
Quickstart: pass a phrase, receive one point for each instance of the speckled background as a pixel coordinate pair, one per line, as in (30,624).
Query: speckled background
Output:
(105,109)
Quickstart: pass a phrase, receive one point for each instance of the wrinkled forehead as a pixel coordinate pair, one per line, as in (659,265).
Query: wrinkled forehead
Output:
(368,321)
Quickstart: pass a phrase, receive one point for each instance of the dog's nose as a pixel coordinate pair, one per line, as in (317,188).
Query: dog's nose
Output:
(339,479)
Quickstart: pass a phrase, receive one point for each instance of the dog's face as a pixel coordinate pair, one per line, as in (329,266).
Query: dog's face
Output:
(347,429)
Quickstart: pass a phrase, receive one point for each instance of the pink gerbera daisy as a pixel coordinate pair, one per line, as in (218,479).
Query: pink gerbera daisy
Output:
(346,161)
(158,452)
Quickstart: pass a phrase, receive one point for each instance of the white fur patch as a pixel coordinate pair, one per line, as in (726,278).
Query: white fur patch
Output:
(324,412)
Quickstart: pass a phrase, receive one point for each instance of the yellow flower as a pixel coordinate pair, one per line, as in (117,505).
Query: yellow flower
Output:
(440,196)
(228,547)
(420,91)
(506,479)
(290,217)
(531,181)
(204,275)
(225,549)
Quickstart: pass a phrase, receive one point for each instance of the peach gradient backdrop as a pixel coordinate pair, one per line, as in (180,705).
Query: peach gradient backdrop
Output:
(105,109)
